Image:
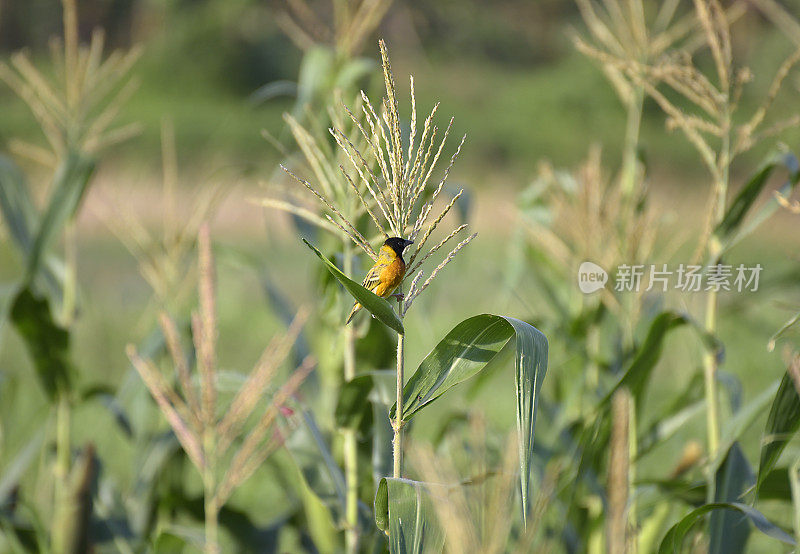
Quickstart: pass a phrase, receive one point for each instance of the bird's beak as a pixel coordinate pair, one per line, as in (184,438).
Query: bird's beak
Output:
(408,242)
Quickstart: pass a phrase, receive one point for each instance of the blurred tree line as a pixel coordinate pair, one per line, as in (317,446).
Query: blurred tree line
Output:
(238,42)
(204,56)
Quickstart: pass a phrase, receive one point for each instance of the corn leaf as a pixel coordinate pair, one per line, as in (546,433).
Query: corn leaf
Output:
(731,229)
(351,407)
(381,398)
(728,530)
(18,210)
(736,426)
(175,538)
(782,422)
(46,341)
(673,540)
(693,493)
(314,78)
(638,372)
(16,468)
(22,219)
(664,428)
(776,486)
(69,186)
(794,320)
(470,348)
(73,510)
(320,472)
(376,305)
(105,395)
(404,510)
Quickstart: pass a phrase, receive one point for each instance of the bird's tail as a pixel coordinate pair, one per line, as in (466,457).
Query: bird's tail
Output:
(356,307)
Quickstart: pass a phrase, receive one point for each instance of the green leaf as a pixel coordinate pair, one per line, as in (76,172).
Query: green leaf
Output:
(665,427)
(730,229)
(46,341)
(272,90)
(462,354)
(404,510)
(674,538)
(691,492)
(782,422)
(279,302)
(174,538)
(314,78)
(735,427)
(13,539)
(18,210)
(776,485)
(319,470)
(373,349)
(72,511)
(22,219)
(352,405)
(69,185)
(794,320)
(16,468)
(637,375)
(352,72)
(382,506)
(376,305)
(381,398)
(155,459)
(105,395)
(728,530)
(470,348)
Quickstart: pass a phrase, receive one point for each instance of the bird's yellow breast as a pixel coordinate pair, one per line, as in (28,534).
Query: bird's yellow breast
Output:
(392,274)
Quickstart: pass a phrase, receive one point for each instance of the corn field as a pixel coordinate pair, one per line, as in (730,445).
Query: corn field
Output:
(595,356)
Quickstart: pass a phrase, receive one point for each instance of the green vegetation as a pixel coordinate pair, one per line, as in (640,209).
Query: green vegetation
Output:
(176,374)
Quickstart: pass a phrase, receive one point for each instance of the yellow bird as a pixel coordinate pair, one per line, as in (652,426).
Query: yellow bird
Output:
(387,273)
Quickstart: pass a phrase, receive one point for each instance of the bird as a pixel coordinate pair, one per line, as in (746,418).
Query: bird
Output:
(387,273)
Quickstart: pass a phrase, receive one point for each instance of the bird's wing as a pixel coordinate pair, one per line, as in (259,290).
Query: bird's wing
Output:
(373,276)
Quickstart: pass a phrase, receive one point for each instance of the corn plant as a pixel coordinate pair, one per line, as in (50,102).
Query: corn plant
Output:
(207,431)
(331,67)
(165,257)
(649,52)
(75,109)
(710,128)
(331,43)
(396,203)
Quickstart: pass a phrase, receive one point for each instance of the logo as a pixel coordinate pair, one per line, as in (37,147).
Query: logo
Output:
(591,277)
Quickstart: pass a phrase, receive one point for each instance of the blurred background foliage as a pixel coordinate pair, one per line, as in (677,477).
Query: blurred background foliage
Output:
(203,60)
(221,71)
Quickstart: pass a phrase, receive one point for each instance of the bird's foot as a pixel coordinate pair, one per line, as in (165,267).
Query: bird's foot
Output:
(398,296)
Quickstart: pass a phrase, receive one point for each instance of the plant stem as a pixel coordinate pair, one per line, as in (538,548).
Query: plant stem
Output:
(631,146)
(351,496)
(61,474)
(349,435)
(210,508)
(71,61)
(714,253)
(619,468)
(397,442)
(212,524)
(591,380)
(633,454)
(70,274)
(62,437)
(710,371)
(794,483)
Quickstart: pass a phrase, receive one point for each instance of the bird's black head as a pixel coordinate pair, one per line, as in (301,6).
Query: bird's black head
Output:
(397,244)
